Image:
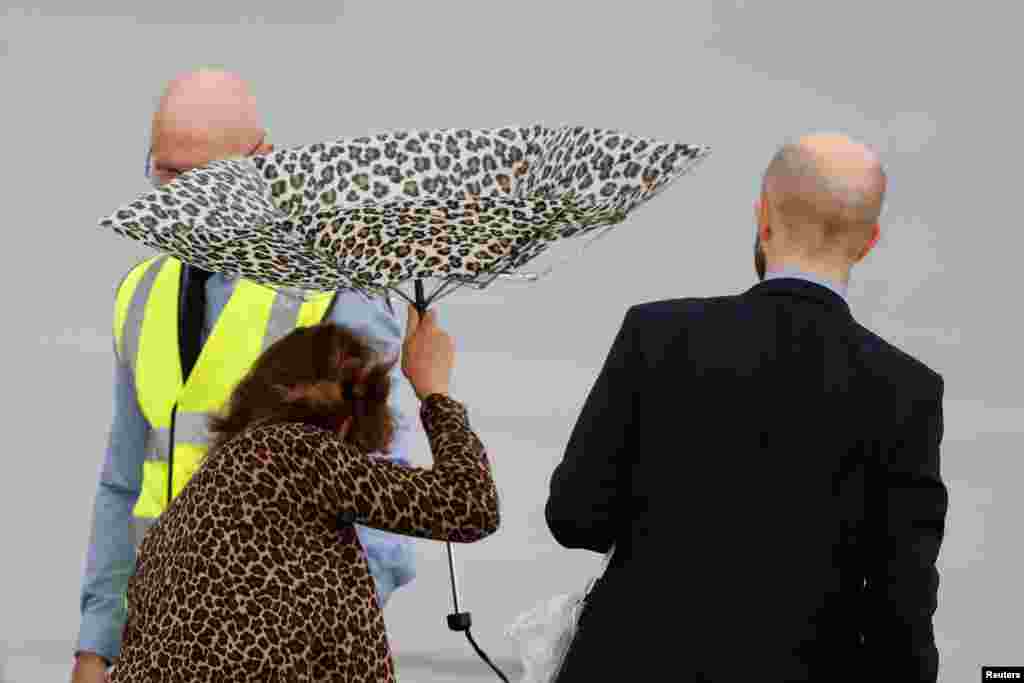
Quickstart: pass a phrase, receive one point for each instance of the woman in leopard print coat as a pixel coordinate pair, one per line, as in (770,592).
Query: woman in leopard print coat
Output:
(254,572)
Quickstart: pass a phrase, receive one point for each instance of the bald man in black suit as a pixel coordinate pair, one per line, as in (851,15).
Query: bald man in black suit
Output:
(767,468)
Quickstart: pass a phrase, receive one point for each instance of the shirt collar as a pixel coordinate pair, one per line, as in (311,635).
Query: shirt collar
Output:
(836,287)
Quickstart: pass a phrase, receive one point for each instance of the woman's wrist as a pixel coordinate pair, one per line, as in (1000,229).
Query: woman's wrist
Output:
(88,658)
(427,393)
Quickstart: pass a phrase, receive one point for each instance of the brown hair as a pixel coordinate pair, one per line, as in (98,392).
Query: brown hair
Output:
(319,375)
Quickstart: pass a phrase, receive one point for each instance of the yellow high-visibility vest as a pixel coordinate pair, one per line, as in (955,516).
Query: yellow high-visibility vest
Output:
(146,331)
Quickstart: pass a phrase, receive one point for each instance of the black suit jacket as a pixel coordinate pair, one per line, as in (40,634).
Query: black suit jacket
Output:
(769,472)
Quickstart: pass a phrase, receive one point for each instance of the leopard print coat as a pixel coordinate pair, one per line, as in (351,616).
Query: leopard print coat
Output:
(255,572)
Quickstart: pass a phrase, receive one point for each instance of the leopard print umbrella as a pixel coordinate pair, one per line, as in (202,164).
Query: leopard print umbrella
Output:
(373,212)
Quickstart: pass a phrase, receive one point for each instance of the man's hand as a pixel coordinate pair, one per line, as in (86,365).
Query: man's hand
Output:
(89,668)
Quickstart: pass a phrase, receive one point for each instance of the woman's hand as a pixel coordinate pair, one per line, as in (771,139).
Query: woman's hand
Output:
(428,354)
(89,668)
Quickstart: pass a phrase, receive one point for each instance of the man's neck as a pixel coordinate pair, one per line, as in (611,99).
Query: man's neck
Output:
(837,286)
(839,276)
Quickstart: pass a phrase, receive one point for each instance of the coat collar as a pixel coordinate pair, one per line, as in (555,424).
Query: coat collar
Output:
(804,289)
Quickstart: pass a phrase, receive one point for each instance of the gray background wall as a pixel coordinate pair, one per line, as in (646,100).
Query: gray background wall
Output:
(930,84)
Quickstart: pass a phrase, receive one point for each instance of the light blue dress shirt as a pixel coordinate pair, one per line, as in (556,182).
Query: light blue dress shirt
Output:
(111,555)
(836,287)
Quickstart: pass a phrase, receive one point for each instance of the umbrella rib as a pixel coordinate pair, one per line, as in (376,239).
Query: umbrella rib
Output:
(402,294)
(450,285)
(439,292)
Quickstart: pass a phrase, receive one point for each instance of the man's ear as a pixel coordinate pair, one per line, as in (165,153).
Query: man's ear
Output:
(761,218)
(875,236)
(760,212)
(265,148)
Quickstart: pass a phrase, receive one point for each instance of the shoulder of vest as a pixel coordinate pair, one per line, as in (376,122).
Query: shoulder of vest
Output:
(141,265)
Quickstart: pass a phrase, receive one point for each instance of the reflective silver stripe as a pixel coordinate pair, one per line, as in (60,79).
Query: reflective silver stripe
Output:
(133,319)
(188,428)
(140,525)
(158,444)
(284,316)
(191,428)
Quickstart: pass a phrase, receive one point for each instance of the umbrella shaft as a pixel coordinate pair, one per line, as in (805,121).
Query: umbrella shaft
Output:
(421,299)
(451,570)
(421,306)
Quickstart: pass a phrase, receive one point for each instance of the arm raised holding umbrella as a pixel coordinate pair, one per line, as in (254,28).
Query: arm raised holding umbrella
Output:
(277,579)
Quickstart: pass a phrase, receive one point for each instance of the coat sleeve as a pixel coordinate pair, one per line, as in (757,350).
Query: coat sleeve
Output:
(456,500)
(908,522)
(588,488)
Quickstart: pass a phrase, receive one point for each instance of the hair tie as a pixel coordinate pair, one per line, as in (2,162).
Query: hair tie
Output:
(351,392)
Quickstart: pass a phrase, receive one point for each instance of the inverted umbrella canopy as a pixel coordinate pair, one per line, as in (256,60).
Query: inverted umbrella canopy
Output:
(374,212)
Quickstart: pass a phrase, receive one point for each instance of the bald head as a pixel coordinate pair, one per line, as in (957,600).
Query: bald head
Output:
(203,116)
(824,192)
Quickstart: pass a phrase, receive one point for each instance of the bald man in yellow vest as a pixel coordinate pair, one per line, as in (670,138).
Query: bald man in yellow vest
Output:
(182,338)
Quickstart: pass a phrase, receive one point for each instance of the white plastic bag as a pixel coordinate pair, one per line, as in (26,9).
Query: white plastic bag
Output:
(545,632)
(544,635)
